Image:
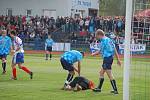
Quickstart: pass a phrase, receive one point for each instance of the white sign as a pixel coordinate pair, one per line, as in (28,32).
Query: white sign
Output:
(61,47)
(135,47)
(83,3)
(94,47)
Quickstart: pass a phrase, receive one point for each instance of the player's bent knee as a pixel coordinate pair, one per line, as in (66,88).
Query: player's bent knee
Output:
(101,73)
(13,65)
(3,60)
(72,72)
(20,66)
(110,76)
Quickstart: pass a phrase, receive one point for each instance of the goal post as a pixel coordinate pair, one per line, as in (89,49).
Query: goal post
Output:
(127,63)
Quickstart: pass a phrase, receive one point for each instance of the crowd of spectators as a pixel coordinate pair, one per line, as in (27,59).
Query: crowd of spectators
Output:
(36,28)
(28,27)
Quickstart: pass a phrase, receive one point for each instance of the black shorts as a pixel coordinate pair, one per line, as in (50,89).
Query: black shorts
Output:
(66,65)
(3,56)
(107,63)
(49,49)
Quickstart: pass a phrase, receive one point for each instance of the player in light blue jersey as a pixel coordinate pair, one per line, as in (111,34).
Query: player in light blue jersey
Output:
(107,50)
(5,47)
(67,61)
(48,46)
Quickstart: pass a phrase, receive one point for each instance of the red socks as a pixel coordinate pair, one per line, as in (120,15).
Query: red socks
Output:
(25,69)
(14,72)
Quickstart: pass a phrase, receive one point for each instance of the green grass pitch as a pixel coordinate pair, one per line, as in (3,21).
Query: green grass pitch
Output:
(49,78)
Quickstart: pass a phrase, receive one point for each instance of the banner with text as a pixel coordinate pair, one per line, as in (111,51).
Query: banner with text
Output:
(135,48)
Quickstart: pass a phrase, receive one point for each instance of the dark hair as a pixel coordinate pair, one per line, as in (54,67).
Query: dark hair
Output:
(82,53)
(13,33)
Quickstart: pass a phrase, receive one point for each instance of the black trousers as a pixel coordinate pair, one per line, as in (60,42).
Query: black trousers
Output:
(83,82)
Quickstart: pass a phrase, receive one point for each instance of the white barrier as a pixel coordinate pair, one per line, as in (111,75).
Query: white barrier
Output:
(61,46)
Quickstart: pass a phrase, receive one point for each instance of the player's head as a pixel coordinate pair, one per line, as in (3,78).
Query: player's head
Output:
(13,34)
(100,34)
(68,87)
(4,32)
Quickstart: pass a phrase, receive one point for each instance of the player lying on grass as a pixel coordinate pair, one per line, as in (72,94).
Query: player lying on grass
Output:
(18,57)
(80,83)
(5,47)
(48,46)
(68,59)
(107,50)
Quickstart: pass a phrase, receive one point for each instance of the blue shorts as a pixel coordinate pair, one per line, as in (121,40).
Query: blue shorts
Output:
(3,56)
(66,65)
(18,58)
(107,63)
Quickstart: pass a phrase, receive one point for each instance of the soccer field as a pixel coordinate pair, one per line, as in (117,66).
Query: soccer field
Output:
(49,78)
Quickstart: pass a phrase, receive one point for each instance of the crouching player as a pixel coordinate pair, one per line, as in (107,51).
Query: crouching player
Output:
(5,47)
(80,83)
(67,60)
(108,50)
(18,57)
(48,47)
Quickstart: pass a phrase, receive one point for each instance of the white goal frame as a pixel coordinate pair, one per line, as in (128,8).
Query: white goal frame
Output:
(127,60)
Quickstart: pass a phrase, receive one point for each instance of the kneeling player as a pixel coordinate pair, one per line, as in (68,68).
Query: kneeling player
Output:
(67,60)
(18,57)
(80,83)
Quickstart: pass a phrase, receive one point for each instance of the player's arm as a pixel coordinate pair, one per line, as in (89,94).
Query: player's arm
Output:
(13,50)
(45,47)
(78,70)
(118,58)
(95,53)
(18,48)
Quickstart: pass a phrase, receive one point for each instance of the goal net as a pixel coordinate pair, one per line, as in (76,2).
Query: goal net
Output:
(137,74)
